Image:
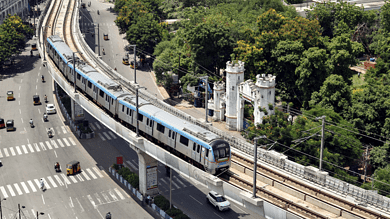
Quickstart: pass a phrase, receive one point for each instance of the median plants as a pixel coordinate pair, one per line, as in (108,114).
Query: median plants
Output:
(163,204)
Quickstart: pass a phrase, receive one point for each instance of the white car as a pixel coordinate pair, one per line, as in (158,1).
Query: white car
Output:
(50,108)
(218,201)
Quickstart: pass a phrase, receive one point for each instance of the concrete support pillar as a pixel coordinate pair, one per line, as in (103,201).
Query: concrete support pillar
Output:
(77,111)
(148,174)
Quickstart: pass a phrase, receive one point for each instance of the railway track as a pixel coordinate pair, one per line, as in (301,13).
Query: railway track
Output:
(337,206)
(61,19)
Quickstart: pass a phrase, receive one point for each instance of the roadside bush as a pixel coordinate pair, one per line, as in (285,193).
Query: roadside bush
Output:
(161,202)
(173,212)
(124,172)
(133,179)
(115,166)
(182,216)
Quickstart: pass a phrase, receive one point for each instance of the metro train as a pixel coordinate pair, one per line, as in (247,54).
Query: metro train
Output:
(190,142)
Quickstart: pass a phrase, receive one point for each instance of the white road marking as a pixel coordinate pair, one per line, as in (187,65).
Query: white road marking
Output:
(37,182)
(1,155)
(91,173)
(32,186)
(85,175)
(98,198)
(52,181)
(66,142)
(82,209)
(135,164)
(31,148)
(196,200)
(24,149)
(80,178)
(71,141)
(59,180)
(179,181)
(97,125)
(42,146)
(2,189)
(65,179)
(92,126)
(18,150)
(98,172)
(73,179)
(12,151)
(20,111)
(48,145)
(163,180)
(106,197)
(112,134)
(119,193)
(25,187)
(112,195)
(54,143)
(91,200)
(63,129)
(103,139)
(36,147)
(58,130)
(132,165)
(71,202)
(6,152)
(11,190)
(60,142)
(47,186)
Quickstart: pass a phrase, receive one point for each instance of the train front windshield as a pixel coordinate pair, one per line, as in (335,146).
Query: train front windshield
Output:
(221,150)
(221,153)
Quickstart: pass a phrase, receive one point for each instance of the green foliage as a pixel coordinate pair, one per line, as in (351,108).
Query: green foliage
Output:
(173,212)
(182,216)
(115,166)
(189,79)
(382,180)
(294,1)
(130,11)
(161,202)
(379,156)
(129,176)
(334,94)
(385,16)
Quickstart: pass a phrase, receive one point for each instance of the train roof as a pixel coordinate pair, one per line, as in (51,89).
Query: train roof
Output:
(189,130)
(105,84)
(61,47)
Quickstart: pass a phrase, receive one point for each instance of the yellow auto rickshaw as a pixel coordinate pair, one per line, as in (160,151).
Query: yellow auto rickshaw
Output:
(10,125)
(33,46)
(72,168)
(125,60)
(132,64)
(2,125)
(105,36)
(36,100)
(10,95)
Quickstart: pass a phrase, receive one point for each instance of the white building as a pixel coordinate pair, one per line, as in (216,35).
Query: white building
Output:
(13,7)
(229,100)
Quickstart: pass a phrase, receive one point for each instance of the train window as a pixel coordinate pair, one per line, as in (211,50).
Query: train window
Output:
(198,149)
(169,135)
(112,101)
(184,140)
(123,108)
(173,135)
(207,152)
(222,153)
(78,76)
(151,123)
(160,128)
(147,121)
(193,148)
(106,97)
(131,112)
(89,84)
(127,111)
(101,93)
(216,154)
(140,117)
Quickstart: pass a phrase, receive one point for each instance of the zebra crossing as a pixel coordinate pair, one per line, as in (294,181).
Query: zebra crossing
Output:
(106,134)
(37,147)
(106,197)
(178,182)
(50,182)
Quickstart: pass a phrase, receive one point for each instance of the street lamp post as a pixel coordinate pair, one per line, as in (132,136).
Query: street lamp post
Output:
(135,63)
(43,41)
(1,211)
(136,103)
(255,164)
(207,93)
(74,69)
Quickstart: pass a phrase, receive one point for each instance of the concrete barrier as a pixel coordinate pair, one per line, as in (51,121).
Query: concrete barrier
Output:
(323,205)
(288,190)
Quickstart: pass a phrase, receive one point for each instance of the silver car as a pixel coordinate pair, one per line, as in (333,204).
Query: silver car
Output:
(218,201)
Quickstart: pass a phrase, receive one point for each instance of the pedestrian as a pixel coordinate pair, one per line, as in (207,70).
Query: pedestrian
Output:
(148,200)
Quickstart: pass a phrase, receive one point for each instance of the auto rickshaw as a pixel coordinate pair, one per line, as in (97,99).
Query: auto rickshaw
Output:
(105,36)
(2,125)
(125,60)
(10,95)
(132,64)
(72,168)
(10,125)
(36,100)
(33,46)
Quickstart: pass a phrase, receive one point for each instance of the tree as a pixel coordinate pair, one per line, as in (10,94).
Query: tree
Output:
(334,94)
(129,13)
(146,33)
(379,156)
(382,180)
(311,73)
(385,16)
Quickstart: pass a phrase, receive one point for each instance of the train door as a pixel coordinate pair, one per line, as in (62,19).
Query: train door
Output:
(193,154)
(203,152)
(149,126)
(95,92)
(206,158)
(199,154)
(171,138)
(107,102)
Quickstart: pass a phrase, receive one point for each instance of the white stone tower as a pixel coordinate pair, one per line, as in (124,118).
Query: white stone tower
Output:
(219,93)
(266,88)
(234,76)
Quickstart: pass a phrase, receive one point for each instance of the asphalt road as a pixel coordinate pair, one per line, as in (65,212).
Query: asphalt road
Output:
(28,155)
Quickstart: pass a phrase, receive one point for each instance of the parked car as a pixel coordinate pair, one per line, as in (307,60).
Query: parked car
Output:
(50,108)
(218,201)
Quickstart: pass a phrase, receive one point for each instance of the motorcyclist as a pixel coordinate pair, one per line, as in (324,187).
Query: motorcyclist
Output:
(98,11)
(42,184)
(108,215)
(57,165)
(45,98)
(31,122)
(45,116)
(43,78)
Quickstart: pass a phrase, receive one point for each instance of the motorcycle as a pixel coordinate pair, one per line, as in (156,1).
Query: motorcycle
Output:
(98,12)
(31,124)
(45,117)
(108,215)
(57,167)
(50,133)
